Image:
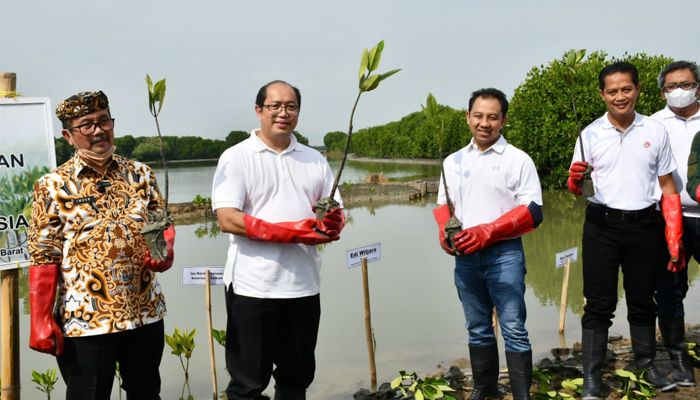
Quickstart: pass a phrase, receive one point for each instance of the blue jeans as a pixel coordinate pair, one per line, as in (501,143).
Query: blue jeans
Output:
(494,276)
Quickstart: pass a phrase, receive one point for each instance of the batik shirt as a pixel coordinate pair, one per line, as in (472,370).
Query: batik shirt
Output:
(89,224)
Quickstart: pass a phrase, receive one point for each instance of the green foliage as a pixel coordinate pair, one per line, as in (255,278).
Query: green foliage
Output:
(235,137)
(414,137)
(182,344)
(200,200)
(64,151)
(149,149)
(694,351)
(301,138)
(219,336)
(541,118)
(634,387)
(156,95)
(335,141)
(428,388)
(545,391)
(45,381)
(369,63)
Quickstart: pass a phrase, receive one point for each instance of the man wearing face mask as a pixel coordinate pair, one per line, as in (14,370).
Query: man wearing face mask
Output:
(678,82)
(85,242)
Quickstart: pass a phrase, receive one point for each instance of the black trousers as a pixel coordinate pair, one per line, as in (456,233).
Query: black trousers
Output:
(263,332)
(633,240)
(88,363)
(671,287)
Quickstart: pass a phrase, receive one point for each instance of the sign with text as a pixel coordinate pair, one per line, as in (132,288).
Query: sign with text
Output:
(27,153)
(563,256)
(373,252)
(198,275)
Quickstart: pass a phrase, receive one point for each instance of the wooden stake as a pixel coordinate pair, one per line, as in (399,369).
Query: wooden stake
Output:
(8,84)
(368,328)
(9,333)
(564,296)
(212,363)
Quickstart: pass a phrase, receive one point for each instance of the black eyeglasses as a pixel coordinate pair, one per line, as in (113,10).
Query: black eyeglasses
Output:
(88,128)
(683,85)
(291,109)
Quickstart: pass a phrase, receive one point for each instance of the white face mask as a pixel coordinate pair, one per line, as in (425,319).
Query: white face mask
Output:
(680,98)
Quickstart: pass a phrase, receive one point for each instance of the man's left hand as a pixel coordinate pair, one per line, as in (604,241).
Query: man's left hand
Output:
(473,239)
(332,223)
(163,265)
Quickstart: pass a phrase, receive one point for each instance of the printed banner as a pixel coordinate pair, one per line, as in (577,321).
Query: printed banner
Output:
(27,152)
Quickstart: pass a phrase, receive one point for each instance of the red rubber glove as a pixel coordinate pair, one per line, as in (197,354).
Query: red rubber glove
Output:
(673,215)
(286,232)
(442,215)
(576,174)
(332,223)
(158,265)
(509,225)
(45,334)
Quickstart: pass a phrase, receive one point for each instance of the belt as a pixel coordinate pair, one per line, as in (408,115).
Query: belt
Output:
(623,215)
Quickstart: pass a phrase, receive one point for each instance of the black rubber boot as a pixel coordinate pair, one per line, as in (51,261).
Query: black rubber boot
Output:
(520,373)
(594,347)
(484,361)
(289,393)
(673,334)
(644,349)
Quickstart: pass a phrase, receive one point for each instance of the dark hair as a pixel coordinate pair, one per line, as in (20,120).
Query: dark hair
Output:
(675,66)
(262,93)
(493,94)
(622,67)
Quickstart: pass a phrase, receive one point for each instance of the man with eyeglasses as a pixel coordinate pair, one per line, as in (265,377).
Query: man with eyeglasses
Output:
(85,240)
(678,82)
(263,194)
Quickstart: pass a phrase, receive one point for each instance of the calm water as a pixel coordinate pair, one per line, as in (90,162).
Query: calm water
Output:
(417,318)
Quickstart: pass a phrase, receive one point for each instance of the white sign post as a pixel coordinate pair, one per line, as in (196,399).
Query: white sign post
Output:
(564,259)
(372,252)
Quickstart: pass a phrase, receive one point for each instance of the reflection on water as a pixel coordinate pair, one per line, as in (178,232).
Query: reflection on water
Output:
(417,318)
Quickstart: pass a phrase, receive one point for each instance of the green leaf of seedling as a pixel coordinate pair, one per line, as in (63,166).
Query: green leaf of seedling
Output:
(445,388)
(376,55)
(363,64)
(369,83)
(388,74)
(396,382)
(625,374)
(149,83)
(419,395)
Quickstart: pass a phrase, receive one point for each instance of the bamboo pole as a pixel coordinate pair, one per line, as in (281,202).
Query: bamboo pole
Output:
(9,333)
(9,297)
(212,362)
(8,84)
(368,328)
(564,296)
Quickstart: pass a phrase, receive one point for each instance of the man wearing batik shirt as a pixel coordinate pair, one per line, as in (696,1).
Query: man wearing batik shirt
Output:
(85,240)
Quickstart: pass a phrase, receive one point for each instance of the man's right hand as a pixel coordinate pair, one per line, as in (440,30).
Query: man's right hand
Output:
(576,174)
(301,231)
(45,334)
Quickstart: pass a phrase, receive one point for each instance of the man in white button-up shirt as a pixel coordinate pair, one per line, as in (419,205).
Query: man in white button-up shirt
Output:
(678,82)
(264,192)
(630,157)
(496,194)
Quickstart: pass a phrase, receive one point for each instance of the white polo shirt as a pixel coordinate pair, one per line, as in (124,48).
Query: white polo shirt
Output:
(681,133)
(275,187)
(626,165)
(483,185)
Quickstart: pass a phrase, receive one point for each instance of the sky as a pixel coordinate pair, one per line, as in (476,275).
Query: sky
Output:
(216,54)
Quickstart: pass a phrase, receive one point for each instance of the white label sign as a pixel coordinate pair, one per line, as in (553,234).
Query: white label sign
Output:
(568,254)
(373,252)
(198,275)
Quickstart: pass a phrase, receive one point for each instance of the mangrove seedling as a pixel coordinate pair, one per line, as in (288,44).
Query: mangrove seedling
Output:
(45,381)
(182,344)
(633,386)
(429,388)
(157,222)
(219,336)
(367,82)
(431,111)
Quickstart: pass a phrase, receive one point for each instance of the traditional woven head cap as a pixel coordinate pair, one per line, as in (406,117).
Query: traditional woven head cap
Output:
(81,104)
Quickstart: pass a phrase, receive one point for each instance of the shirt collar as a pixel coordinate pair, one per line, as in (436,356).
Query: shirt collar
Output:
(260,146)
(499,146)
(638,121)
(666,113)
(79,164)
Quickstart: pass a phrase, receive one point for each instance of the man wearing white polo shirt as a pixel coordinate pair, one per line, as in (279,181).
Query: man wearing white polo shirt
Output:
(629,155)
(678,82)
(496,194)
(264,192)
